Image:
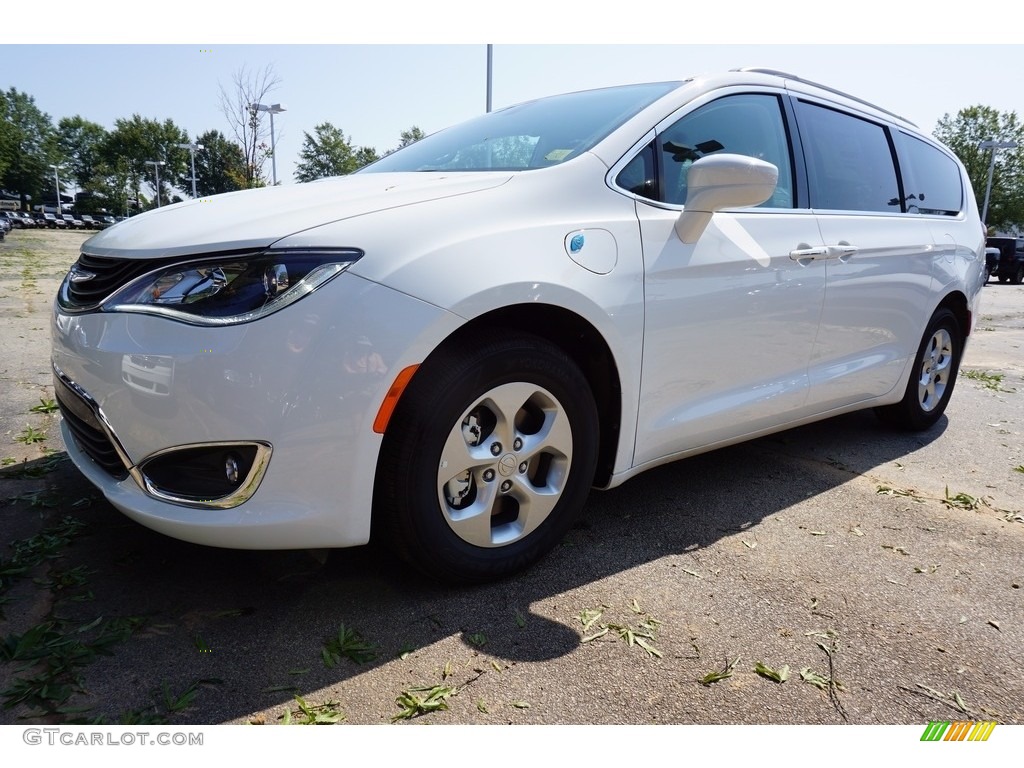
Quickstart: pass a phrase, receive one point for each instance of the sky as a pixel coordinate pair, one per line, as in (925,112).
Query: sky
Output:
(374,79)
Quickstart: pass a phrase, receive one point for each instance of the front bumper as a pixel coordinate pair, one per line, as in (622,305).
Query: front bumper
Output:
(305,382)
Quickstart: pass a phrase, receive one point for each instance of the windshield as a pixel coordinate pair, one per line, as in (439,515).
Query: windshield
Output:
(536,134)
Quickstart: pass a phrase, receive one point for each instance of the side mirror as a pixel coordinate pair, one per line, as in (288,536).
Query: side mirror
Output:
(723,181)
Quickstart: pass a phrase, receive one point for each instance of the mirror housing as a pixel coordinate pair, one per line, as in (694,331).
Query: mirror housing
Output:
(723,181)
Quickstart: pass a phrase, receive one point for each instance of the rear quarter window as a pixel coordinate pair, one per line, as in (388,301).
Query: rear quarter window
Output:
(931,179)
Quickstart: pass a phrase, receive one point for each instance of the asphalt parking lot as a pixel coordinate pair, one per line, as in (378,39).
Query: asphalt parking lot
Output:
(881,569)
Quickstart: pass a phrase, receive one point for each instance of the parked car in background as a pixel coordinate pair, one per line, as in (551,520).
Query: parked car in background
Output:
(1009,267)
(51,220)
(991,262)
(445,347)
(11,220)
(5,225)
(72,221)
(27,222)
(89,221)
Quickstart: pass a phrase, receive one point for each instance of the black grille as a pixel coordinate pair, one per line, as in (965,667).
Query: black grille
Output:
(85,428)
(109,276)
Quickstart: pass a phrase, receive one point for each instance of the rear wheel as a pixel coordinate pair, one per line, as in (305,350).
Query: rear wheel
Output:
(488,459)
(933,375)
(1018,276)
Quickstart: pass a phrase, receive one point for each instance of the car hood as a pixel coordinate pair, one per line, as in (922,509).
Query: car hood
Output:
(257,218)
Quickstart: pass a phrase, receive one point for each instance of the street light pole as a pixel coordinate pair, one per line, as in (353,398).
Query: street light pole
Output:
(992,145)
(192,152)
(490,72)
(273,109)
(56,181)
(156,168)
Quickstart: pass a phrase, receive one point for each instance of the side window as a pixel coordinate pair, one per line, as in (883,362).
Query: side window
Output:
(639,176)
(745,124)
(849,160)
(931,179)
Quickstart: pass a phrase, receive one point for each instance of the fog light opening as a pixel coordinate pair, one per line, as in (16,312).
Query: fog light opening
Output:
(211,474)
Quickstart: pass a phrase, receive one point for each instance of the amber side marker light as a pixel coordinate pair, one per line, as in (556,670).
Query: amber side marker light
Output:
(380,424)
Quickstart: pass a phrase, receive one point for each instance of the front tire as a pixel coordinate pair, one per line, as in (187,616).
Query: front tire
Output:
(932,377)
(488,458)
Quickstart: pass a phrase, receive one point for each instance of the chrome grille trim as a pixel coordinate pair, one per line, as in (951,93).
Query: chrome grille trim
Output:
(83,413)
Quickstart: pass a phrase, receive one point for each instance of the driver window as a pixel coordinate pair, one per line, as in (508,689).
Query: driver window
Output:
(745,124)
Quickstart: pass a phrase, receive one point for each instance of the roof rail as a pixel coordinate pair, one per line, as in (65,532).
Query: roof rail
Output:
(790,76)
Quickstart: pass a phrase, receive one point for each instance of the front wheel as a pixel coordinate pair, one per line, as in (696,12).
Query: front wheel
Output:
(933,375)
(488,458)
(1018,276)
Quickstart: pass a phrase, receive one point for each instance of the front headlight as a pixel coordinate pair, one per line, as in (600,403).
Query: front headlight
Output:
(231,289)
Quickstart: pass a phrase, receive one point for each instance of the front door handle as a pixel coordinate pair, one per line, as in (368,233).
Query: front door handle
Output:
(801,254)
(843,251)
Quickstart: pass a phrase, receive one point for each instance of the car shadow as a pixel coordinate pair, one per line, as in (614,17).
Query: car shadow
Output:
(251,626)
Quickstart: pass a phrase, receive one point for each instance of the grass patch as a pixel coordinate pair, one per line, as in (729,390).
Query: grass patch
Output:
(30,435)
(45,406)
(422,700)
(52,654)
(640,633)
(45,467)
(349,644)
(722,674)
(961,501)
(313,714)
(993,381)
(45,545)
(779,675)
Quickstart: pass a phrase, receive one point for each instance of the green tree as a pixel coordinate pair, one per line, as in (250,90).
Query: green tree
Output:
(109,191)
(365,156)
(330,153)
(80,144)
(26,145)
(963,134)
(410,136)
(220,165)
(136,141)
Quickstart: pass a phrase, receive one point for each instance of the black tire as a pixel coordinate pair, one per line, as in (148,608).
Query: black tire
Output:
(932,376)
(488,458)
(1004,279)
(1018,276)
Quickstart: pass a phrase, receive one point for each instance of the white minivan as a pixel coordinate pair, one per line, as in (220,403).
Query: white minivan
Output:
(453,345)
